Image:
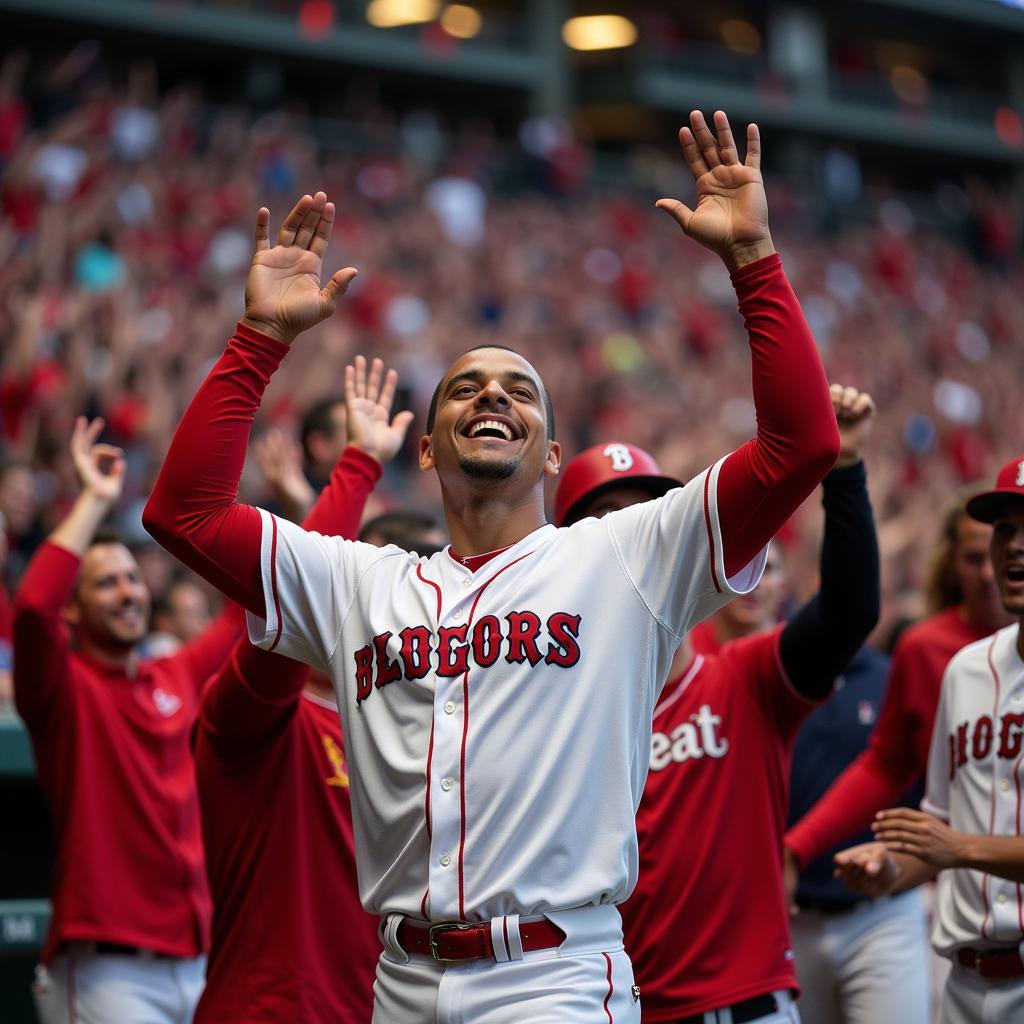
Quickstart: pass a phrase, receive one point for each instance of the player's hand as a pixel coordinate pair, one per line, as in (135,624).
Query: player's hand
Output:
(99,467)
(368,408)
(280,462)
(283,296)
(790,878)
(731,215)
(855,415)
(904,830)
(868,869)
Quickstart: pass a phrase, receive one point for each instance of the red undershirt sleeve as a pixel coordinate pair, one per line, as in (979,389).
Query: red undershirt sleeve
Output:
(193,510)
(762,483)
(40,639)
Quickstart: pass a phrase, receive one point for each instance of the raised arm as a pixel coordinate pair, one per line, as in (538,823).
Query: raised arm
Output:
(762,483)
(820,640)
(256,689)
(40,639)
(193,510)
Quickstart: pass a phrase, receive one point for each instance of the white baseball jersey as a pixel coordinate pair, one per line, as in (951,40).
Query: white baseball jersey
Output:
(974,784)
(498,723)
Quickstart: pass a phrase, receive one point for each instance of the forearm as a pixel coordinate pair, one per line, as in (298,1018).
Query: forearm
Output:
(848,807)
(912,872)
(824,635)
(76,531)
(339,509)
(193,510)
(762,483)
(1002,856)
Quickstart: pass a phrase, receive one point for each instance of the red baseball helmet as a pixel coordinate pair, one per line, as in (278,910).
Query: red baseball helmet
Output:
(1009,484)
(602,468)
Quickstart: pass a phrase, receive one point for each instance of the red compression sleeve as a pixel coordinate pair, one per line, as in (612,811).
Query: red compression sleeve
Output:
(193,510)
(762,483)
(849,806)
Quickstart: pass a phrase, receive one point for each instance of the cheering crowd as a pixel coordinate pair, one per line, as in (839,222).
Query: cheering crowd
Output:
(126,241)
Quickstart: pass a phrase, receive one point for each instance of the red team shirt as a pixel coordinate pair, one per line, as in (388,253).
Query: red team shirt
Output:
(898,754)
(112,756)
(291,941)
(710,828)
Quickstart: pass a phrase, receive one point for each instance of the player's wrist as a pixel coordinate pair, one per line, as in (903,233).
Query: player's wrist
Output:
(271,328)
(740,255)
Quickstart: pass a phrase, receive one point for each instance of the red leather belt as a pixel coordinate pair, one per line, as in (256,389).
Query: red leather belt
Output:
(992,963)
(455,941)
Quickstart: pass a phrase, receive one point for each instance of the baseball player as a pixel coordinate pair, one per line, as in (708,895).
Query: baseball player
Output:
(496,698)
(965,598)
(274,794)
(968,832)
(131,907)
(724,725)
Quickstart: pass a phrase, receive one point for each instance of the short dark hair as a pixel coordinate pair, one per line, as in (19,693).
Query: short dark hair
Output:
(549,411)
(404,529)
(318,420)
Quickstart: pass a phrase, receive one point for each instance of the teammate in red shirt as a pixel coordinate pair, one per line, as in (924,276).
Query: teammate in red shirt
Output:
(714,806)
(274,792)
(131,908)
(964,592)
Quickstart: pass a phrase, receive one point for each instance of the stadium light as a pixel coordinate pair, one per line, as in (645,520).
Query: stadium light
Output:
(394,13)
(599,32)
(741,36)
(461,21)
(909,84)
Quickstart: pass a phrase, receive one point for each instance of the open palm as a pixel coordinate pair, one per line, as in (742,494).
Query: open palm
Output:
(283,296)
(368,402)
(731,214)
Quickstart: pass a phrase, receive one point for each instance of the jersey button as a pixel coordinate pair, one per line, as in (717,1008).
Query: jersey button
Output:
(449,707)
(445,860)
(1001,898)
(1004,785)
(446,784)
(456,616)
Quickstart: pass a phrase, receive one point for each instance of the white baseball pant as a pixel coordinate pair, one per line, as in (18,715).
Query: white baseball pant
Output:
(588,979)
(864,966)
(969,998)
(103,988)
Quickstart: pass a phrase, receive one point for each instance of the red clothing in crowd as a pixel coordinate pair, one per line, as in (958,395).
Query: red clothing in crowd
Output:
(898,754)
(710,827)
(703,639)
(291,941)
(112,756)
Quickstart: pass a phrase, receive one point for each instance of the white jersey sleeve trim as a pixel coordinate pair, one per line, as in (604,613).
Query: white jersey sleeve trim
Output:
(929,808)
(744,581)
(265,632)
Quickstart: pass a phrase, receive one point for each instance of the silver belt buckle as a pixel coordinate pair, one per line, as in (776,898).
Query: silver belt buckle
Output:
(446,926)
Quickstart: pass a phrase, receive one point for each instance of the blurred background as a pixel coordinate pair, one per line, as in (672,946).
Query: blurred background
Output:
(495,166)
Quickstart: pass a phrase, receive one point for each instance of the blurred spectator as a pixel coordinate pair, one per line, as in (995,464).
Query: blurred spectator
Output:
(179,616)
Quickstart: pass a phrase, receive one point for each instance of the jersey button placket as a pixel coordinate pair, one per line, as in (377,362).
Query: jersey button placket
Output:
(445,804)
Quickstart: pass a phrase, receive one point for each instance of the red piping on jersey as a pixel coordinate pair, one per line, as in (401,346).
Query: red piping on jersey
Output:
(431,583)
(430,746)
(992,817)
(1017,782)
(273,582)
(711,533)
(611,988)
(684,682)
(465,736)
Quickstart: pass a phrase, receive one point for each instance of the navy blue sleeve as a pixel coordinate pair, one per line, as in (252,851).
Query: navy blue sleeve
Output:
(821,639)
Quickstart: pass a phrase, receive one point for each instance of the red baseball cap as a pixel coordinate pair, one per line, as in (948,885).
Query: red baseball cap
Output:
(987,505)
(603,468)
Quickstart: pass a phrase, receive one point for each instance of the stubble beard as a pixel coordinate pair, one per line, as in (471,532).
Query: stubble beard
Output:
(488,469)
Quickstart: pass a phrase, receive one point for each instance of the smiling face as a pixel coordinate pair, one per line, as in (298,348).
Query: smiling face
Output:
(1007,551)
(490,422)
(111,604)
